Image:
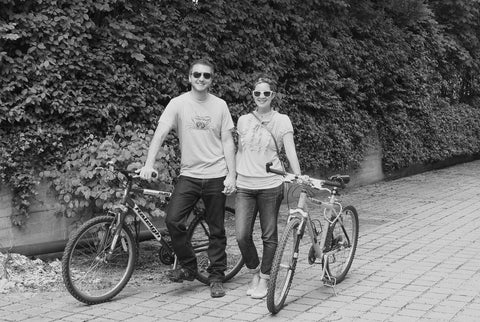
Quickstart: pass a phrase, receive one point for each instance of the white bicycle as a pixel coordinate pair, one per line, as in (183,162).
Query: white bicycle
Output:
(334,237)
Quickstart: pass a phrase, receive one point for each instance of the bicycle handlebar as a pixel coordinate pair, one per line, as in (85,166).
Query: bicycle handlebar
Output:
(110,165)
(338,181)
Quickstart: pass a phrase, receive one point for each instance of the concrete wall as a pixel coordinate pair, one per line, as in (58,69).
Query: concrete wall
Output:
(44,232)
(369,171)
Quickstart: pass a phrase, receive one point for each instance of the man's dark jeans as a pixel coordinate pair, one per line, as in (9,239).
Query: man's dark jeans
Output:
(267,203)
(186,194)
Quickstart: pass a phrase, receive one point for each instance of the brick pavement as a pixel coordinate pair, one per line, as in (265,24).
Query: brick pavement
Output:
(418,259)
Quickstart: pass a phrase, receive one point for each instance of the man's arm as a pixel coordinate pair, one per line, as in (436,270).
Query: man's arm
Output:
(160,134)
(229,152)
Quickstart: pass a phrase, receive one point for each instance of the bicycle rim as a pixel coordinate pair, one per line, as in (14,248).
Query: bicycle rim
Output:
(344,244)
(283,267)
(199,237)
(90,273)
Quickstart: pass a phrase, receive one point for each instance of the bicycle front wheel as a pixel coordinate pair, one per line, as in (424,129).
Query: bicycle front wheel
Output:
(283,267)
(93,273)
(343,244)
(198,234)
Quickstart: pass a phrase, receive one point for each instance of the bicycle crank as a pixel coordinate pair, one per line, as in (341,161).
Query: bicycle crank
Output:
(311,255)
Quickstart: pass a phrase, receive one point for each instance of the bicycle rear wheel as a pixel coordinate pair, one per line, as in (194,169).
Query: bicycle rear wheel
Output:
(90,273)
(343,244)
(198,234)
(283,267)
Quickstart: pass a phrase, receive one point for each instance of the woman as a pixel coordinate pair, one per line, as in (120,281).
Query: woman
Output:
(261,132)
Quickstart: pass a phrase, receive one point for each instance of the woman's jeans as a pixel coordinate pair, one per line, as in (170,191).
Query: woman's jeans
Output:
(265,202)
(186,194)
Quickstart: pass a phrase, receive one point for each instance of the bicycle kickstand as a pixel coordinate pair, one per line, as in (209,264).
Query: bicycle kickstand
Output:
(328,280)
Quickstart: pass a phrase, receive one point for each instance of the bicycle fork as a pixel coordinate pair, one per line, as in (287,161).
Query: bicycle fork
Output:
(116,229)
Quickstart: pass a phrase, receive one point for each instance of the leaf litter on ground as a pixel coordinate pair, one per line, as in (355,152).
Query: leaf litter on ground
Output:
(19,273)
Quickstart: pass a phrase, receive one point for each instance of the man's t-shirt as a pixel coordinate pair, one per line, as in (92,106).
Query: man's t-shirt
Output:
(199,126)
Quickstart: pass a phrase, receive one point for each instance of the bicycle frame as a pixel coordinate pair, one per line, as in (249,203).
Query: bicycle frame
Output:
(140,214)
(306,223)
(127,204)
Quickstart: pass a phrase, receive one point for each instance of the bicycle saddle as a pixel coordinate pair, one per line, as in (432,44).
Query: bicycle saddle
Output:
(340,178)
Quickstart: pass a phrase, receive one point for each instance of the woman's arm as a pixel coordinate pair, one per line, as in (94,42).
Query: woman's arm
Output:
(229,152)
(291,152)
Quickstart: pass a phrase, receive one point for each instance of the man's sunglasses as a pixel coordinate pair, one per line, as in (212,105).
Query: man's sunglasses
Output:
(265,93)
(205,75)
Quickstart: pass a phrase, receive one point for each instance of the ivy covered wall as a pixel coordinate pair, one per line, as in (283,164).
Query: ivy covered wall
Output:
(85,82)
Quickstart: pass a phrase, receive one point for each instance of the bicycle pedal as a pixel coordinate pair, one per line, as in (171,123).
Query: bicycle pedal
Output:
(164,232)
(330,282)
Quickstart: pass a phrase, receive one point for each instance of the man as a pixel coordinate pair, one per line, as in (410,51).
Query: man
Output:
(203,124)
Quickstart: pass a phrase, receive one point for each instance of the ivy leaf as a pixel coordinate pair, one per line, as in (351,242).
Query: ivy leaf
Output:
(10,36)
(138,56)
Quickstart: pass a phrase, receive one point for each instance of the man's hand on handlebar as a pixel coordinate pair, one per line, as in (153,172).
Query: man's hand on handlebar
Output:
(147,173)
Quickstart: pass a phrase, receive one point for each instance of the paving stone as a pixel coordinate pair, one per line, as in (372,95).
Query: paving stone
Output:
(417,259)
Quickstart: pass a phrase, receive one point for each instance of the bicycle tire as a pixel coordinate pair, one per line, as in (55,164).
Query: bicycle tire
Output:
(283,267)
(344,244)
(198,234)
(88,274)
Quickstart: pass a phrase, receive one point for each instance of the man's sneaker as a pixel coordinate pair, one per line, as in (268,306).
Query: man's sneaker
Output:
(216,289)
(180,274)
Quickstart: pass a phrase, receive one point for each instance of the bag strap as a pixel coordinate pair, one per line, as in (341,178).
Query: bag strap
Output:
(273,137)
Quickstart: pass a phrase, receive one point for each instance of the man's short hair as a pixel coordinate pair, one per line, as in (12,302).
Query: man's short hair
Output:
(202,61)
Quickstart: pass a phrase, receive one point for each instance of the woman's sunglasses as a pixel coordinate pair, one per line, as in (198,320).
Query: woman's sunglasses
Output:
(265,93)
(205,75)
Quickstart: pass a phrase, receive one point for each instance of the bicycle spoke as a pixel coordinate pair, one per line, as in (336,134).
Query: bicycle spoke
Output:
(92,273)
(283,267)
(344,243)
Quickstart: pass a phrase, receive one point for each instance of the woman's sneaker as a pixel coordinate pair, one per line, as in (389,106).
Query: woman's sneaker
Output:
(262,288)
(253,284)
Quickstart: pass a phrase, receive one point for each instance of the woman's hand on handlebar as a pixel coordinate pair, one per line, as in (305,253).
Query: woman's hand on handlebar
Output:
(147,173)
(302,178)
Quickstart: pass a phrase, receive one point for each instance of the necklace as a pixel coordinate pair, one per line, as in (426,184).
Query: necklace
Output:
(264,115)
(264,118)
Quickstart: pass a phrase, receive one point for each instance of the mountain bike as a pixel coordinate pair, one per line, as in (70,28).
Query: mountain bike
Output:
(333,238)
(100,256)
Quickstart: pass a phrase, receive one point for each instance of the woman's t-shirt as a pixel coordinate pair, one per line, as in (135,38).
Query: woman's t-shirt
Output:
(256,147)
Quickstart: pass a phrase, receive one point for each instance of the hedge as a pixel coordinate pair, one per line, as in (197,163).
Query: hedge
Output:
(84,82)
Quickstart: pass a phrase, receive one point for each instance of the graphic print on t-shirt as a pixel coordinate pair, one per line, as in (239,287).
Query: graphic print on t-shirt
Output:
(201,123)
(255,137)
